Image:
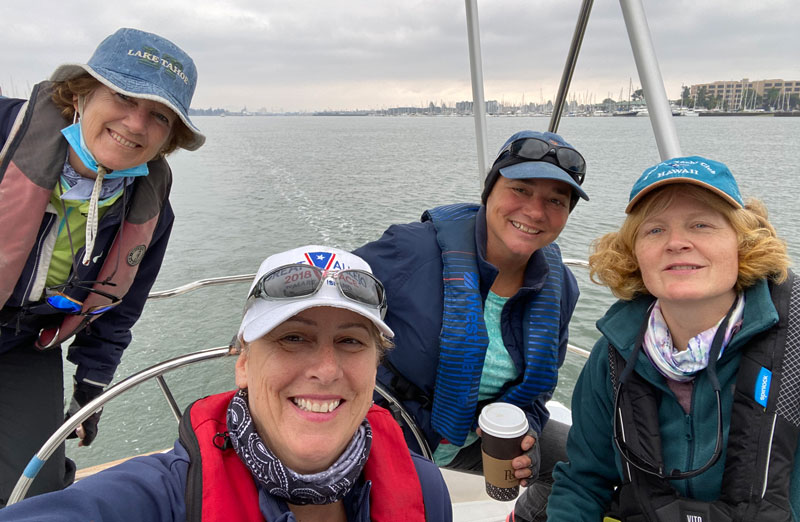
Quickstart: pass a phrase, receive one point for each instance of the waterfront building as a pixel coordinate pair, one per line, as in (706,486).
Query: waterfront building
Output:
(734,93)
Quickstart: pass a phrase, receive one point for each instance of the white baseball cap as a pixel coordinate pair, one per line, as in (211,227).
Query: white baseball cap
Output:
(262,315)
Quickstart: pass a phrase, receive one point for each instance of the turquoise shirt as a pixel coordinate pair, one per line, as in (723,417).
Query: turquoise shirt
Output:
(498,369)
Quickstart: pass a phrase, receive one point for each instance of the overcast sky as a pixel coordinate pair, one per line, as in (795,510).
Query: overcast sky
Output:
(296,55)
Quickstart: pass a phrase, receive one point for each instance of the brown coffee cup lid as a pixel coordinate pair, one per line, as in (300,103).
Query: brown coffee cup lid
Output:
(503,420)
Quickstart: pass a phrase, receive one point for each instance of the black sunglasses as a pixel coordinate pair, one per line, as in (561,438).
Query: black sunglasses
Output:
(534,149)
(60,301)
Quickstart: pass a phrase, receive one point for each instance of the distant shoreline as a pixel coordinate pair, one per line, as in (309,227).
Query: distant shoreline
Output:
(380,114)
(776,114)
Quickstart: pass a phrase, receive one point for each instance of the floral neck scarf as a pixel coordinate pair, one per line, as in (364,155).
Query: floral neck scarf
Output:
(682,366)
(325,487)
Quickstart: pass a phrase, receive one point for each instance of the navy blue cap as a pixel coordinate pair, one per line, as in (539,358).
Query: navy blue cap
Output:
(534,169)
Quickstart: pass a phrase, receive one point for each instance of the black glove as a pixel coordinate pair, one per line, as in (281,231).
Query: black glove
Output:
(535,457)
(83,394)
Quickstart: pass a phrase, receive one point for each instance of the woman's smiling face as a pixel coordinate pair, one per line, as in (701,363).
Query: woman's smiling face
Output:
(688,256)
(121,131)
(522,216)
(310,382)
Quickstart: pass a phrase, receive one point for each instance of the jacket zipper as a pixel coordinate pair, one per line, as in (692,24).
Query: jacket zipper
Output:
(690,441)
(26,295)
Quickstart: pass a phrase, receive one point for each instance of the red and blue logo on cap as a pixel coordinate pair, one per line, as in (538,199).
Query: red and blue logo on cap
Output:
(322,260)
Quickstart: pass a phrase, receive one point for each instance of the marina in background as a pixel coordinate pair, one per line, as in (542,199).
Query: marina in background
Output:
(262,185)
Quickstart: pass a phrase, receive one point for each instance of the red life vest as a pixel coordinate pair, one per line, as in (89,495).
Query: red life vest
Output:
(220,488)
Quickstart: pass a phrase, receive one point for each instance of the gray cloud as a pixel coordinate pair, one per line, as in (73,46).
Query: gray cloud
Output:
(309,55)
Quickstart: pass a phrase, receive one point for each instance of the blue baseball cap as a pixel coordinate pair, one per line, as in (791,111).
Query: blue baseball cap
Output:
(532,169)
(695,170)
(143,65)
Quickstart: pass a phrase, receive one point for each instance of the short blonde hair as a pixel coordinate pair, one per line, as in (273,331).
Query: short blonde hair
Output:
(85,84)
(762,254)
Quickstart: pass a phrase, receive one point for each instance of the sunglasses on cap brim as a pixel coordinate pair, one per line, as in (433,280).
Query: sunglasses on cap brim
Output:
(299,281)
(535,149)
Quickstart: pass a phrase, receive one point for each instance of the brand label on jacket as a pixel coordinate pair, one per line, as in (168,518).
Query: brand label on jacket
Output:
(762,386)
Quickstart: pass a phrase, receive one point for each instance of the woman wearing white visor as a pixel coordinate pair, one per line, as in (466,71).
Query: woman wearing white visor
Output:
(299,439)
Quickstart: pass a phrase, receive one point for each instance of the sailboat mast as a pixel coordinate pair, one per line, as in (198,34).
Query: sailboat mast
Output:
(569,66)
(478,102)
(650,75)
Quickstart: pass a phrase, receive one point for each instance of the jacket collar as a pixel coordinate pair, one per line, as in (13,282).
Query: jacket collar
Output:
(621,324)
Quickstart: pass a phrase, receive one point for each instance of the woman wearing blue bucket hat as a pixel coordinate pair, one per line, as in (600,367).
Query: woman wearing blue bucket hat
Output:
(84,223)
(688,406)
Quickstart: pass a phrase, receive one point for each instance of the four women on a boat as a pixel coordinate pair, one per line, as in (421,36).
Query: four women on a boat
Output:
(84,223)
(688,407)
(480,303)
(300,439)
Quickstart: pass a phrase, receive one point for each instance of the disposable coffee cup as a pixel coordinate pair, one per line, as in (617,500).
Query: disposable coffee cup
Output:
(504,426)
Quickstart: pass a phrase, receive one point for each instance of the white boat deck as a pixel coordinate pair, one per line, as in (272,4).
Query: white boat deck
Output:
(470,501)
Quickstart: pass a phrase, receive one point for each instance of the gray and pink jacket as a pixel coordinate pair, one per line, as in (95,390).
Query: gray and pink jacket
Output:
(130,245)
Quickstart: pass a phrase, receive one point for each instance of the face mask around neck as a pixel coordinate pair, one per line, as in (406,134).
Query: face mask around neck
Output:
(74,137)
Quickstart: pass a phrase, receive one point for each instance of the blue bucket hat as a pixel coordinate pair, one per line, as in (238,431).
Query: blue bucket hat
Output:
(532,169)
(143,65)
(695,170)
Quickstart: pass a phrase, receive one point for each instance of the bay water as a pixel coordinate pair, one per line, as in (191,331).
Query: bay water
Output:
(261,185)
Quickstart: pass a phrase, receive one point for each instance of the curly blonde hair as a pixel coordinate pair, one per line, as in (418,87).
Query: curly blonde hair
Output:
(762,254)
(64,93)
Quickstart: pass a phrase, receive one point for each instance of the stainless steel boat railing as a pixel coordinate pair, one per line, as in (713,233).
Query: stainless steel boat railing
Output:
(58,437)
(666,138)
(157,372)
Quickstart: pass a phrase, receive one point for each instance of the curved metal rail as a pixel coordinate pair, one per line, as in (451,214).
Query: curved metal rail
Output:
(189,287)
(156,372)
(44,453)
(245,278)
(423,444)
(213,281)
(580,263)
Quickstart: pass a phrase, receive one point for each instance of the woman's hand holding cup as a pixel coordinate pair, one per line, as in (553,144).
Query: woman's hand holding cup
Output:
(505,434)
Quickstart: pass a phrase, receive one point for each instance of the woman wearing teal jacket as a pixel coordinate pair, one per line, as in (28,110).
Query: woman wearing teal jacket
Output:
(687,408)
